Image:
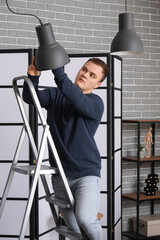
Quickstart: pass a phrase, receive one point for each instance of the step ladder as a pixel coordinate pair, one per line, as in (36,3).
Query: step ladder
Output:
(38,169)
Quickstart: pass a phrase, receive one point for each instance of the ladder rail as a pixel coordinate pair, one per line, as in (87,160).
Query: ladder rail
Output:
(47,191)
(44,123)
(38,153)
(28,130)
(34,184)
(23,114)
(61,171)
(35,152)
(38,158)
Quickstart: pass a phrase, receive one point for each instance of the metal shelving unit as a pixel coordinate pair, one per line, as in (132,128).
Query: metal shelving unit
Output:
(140,197)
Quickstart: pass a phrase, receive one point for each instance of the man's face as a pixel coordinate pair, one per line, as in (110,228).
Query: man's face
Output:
(88,77)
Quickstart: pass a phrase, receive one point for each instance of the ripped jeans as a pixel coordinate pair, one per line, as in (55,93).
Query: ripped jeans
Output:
(86,192)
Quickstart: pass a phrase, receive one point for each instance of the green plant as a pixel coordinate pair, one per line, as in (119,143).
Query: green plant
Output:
(141,148)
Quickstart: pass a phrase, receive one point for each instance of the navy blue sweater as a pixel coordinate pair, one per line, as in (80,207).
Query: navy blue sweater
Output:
(73,118)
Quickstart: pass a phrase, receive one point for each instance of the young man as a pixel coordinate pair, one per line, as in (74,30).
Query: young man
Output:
(74,114)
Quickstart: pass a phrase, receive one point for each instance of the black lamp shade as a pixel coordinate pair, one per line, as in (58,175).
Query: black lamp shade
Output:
(50,54)
(126,41)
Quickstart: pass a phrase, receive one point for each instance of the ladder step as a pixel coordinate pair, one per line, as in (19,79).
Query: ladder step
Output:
(29,170)
(58,201)
(63,230)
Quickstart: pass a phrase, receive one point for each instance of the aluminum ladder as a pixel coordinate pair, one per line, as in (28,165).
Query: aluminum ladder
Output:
(38,169)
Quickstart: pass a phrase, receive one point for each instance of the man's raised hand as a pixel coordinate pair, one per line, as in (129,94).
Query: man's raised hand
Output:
(32,69)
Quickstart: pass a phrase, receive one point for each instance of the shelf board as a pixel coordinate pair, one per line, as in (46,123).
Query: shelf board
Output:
(142,196)
(133,235)
(141,121)
(135,159)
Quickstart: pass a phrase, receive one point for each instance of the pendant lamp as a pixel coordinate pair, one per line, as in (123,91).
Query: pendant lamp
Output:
(50,54)
(126,41)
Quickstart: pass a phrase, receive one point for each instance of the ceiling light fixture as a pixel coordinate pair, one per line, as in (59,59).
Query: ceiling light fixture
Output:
(126,41)
(50,54)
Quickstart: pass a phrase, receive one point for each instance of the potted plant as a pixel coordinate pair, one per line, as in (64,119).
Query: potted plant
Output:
(142,152)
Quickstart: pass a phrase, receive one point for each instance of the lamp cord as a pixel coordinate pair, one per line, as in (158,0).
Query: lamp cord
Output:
(25,14)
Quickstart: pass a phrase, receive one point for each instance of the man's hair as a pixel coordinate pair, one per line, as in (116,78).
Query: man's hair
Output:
(101,63)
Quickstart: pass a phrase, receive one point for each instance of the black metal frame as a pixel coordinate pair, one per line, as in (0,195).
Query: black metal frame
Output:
(113,138)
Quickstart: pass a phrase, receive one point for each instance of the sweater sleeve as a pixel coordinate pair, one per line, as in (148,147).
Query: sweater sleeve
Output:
(43,95)
(88,105)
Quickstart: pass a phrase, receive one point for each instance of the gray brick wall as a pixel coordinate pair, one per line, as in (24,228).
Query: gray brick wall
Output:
(89,26)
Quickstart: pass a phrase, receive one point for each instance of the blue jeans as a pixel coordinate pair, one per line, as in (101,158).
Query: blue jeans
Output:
(86,192)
